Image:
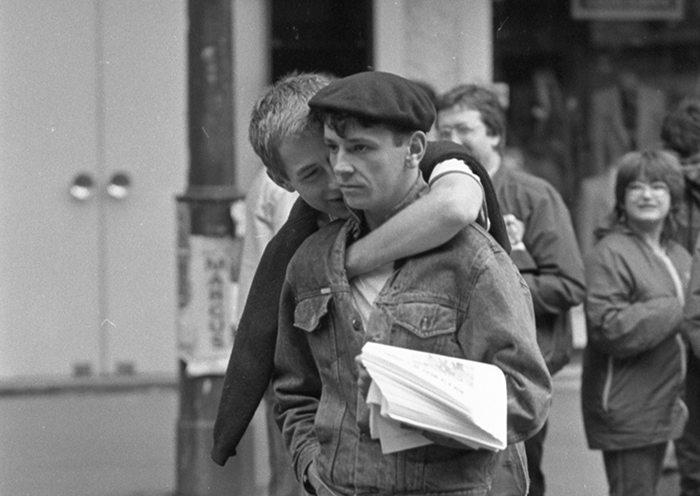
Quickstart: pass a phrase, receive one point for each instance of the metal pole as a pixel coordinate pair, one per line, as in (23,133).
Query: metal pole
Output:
(204,214)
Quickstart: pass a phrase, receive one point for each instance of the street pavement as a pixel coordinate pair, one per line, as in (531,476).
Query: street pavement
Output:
(570,468)
(123,443)
(89,444)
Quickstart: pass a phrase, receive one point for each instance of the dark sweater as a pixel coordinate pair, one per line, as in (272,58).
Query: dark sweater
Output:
(252,359)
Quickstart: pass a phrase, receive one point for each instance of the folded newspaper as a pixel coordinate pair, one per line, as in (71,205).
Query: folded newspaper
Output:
(414,391)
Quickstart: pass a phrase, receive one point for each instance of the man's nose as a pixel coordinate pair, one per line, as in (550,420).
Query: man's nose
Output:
(342,165)
(454,137)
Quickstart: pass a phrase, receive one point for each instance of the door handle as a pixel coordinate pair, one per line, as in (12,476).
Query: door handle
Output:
(119,186)
(83,187)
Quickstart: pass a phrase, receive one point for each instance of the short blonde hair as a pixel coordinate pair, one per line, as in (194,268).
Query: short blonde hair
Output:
(282,112)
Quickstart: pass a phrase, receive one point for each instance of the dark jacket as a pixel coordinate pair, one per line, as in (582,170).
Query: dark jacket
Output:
(551,263)
(690,214)
(687,236)
(634,362)
(250,366)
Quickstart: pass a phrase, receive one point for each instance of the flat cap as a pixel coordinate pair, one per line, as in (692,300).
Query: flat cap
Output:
(379,96)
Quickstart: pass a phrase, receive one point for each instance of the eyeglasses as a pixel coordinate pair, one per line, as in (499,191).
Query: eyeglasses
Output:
(638,188)
(445,132)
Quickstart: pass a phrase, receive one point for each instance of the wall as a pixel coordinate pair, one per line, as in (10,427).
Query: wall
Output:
(251,74)
(444,42)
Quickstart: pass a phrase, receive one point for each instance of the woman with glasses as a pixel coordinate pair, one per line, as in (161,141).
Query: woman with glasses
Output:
(634,362)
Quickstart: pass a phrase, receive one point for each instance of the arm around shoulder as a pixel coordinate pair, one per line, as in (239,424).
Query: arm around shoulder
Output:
(454,202)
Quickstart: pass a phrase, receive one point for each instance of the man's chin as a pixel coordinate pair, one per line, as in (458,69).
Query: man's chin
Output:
(342,215)
(337,209)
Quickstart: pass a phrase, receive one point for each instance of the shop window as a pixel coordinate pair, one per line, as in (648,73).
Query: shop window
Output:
(332,36)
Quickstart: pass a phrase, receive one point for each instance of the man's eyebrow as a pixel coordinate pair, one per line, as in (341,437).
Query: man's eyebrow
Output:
(362,139)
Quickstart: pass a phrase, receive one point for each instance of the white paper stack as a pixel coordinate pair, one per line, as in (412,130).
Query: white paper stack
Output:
(414,391)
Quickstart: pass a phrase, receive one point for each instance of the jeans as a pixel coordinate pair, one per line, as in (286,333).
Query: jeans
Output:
(634,472)
(510,476)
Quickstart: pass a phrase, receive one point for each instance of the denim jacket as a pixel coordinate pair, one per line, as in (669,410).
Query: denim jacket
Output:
(464,299)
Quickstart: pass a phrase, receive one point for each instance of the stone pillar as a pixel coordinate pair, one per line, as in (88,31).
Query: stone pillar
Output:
(441,42)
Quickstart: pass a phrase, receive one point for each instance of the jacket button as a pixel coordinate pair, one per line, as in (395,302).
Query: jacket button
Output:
(356,324)
(424,323)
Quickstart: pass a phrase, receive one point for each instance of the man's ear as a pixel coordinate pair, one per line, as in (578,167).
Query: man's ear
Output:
(280,181)
(416,149)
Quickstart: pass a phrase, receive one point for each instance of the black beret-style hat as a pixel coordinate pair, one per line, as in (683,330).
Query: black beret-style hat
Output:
(379,96)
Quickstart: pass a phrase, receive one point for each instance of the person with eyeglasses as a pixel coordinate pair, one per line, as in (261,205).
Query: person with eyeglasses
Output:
(542,238)
(635,358)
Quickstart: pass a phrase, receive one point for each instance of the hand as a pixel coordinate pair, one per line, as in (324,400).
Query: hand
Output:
(516,230)
(363,378)
(363,382)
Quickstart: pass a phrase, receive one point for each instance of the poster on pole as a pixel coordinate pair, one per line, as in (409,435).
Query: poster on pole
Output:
(205,319)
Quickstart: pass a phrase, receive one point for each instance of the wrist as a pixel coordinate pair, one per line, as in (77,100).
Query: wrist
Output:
(352,262)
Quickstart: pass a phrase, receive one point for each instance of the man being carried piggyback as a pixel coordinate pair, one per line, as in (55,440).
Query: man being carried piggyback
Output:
(464,299)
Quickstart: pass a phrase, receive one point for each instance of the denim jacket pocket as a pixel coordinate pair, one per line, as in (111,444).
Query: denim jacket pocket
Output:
(425,320)
(310,310)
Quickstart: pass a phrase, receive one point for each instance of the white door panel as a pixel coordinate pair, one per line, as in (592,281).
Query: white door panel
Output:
(96,88)
(48,242)
(145,47)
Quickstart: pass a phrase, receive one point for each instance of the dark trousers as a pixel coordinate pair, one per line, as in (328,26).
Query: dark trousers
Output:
(634,472)
(534,448)
(688,446)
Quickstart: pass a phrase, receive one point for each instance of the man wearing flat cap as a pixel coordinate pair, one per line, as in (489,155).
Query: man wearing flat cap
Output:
(464,299)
